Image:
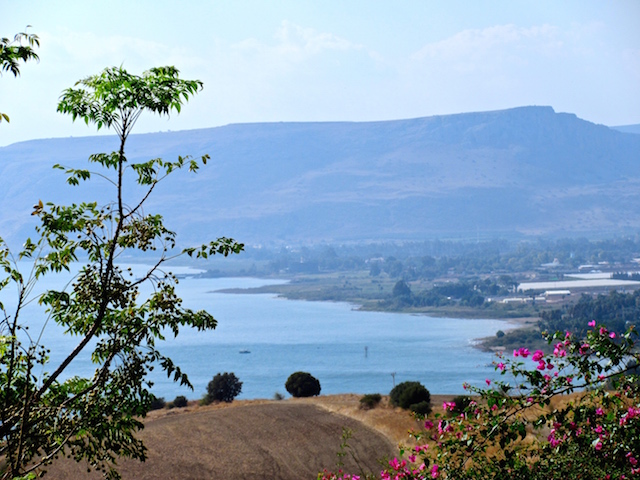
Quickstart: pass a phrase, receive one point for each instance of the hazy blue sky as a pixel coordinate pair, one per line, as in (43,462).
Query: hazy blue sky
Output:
(325,60)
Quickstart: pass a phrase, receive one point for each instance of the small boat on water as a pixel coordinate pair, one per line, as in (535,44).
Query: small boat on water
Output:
(244,351)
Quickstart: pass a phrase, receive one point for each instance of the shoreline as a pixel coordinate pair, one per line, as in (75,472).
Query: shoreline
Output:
(465,313)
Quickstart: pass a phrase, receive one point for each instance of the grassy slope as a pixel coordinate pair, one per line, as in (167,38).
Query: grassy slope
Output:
(290,439)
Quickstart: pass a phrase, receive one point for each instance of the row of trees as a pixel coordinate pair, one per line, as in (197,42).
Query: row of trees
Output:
(225,387)
(428,260)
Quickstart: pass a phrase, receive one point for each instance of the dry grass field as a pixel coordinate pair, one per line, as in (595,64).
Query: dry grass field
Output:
(266,439)
(259,439)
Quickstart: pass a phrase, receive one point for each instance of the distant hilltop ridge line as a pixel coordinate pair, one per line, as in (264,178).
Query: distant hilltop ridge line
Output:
(540,109)
(516,172)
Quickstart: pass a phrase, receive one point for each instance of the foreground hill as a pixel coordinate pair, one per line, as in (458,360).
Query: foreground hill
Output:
(252,440)
(514,172)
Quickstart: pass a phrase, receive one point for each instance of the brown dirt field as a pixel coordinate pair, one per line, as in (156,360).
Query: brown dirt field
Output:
(291,439)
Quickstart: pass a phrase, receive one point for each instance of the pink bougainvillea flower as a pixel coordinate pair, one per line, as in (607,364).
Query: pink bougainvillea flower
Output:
(488,382)
(541,365)
(537,355)
(434,471)
(612,335)
(603,331)
(449,406)
(599,411)
(592,323)
(501,366)
(428,425)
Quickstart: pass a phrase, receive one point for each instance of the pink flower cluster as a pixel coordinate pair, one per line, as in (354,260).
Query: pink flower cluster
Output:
(400,470)
(339,475)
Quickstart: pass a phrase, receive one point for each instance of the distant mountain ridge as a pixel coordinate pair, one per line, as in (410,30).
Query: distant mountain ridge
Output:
(522,171)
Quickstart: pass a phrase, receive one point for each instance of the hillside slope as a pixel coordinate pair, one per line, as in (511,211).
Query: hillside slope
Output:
(514,172)
(255,441)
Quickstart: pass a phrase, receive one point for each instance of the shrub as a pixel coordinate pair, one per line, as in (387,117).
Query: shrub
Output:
(594,435)
(223,388)
(302,384)
(408,394)
(180,401)
(278,396)
(157,403)
(461,403)
(499,334)
(370,400)
(421,408)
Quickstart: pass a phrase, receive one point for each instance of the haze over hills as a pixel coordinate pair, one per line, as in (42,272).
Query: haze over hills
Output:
(522,171)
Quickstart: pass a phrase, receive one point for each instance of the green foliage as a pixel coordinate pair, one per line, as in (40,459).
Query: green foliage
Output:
(302,384)
(370,400)
(616,310)
(95,419)
(461,404)
(411,395)
(157,403)
(12,52)
(421,408)
(530,429)
(223,388)
(401,289)
(180,401)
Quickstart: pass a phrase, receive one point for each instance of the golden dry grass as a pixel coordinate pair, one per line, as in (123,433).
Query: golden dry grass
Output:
(261,439)
(267,439)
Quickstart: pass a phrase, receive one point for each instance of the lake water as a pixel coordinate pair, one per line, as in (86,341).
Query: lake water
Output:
(349,351)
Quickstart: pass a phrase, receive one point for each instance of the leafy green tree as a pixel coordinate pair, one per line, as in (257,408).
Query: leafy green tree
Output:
(302,384)
(412,396)
(12,52)
(180,401)
(223,388)
(401,289)
(43,413)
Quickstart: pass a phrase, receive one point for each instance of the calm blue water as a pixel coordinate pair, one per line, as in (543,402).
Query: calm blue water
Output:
(328,340)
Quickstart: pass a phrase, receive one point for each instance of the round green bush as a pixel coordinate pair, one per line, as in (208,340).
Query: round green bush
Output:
(462,402)
(370,400)
(180,401)
(406,394)
(223,388)
(302,384)
(157,403)
(421,408)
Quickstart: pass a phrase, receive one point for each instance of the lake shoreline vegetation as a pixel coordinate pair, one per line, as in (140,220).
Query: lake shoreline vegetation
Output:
(456,279)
